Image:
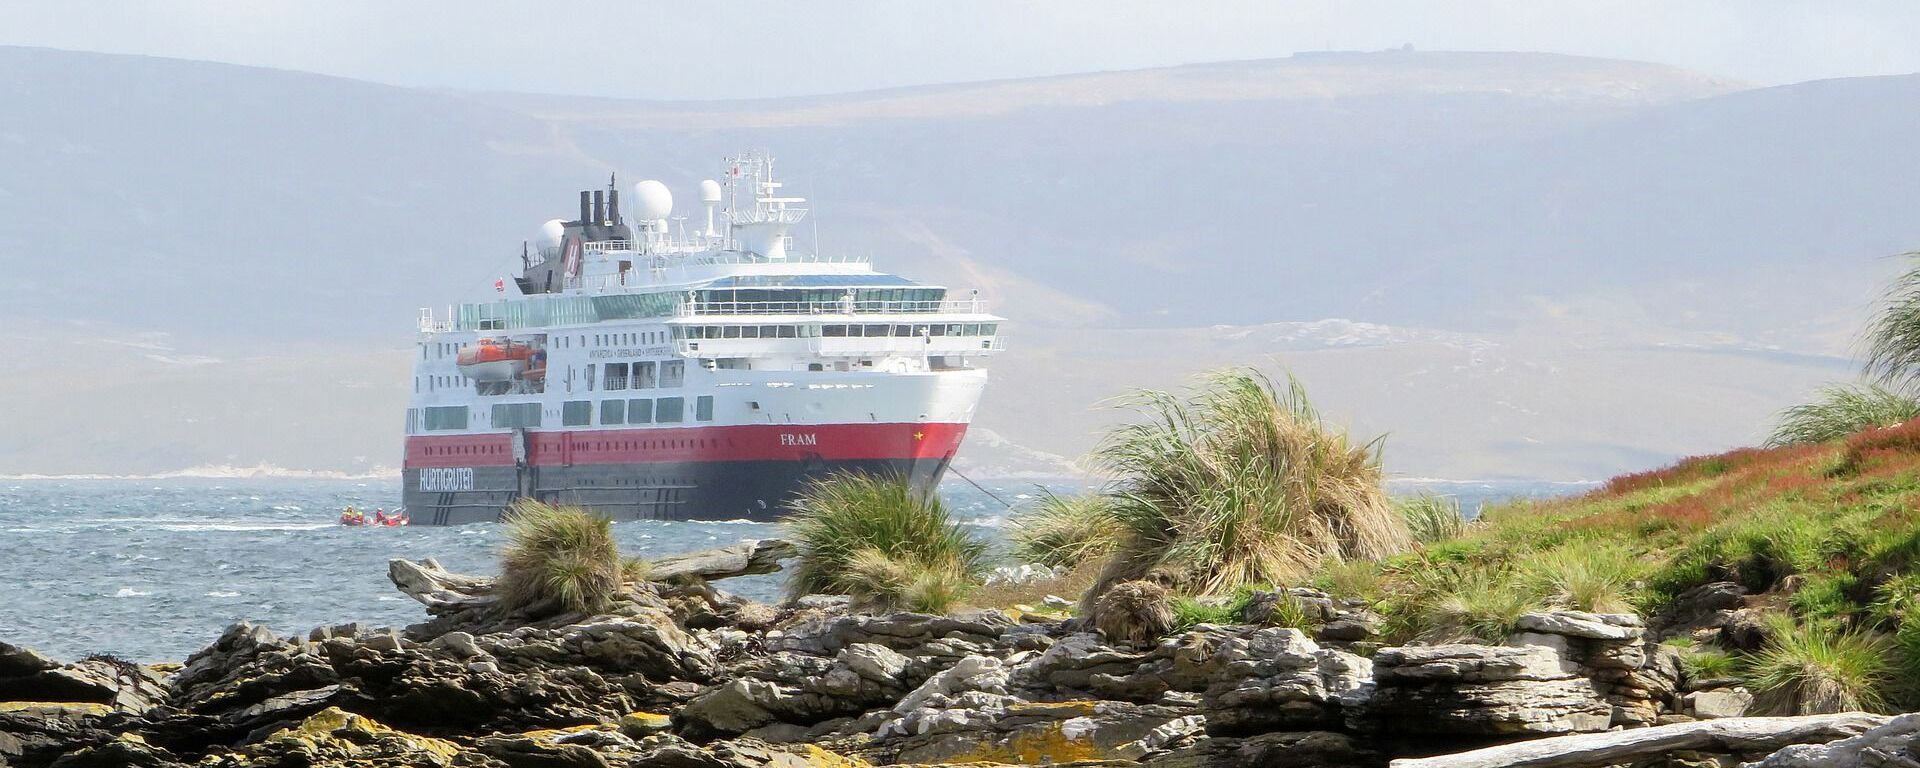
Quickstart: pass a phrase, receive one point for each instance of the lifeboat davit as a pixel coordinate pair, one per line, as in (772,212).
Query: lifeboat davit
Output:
(494,360)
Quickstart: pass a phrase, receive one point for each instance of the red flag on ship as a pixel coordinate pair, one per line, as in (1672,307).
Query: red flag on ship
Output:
(499,285)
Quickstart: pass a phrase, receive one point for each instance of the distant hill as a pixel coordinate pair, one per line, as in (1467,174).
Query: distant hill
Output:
(1640,261)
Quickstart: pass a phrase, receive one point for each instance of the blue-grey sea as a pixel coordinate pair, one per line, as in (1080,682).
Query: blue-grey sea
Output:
(153,569)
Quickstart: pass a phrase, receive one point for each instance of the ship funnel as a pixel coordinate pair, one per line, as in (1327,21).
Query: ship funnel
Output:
(613,206)
(586,207)
(599,207)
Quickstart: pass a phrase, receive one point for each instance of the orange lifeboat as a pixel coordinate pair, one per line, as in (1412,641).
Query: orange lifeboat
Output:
(494,359)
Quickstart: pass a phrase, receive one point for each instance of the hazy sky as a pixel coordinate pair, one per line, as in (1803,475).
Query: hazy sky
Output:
(745,49)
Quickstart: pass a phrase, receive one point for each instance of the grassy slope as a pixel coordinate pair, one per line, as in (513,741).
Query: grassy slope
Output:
(1827,535)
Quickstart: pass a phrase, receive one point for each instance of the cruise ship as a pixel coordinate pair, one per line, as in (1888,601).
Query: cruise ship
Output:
(645,366)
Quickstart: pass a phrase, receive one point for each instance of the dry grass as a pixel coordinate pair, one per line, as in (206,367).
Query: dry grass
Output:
(1241,483)
(874,539)
(558,558)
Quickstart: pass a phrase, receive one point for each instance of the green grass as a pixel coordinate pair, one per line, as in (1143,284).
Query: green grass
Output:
(1352,580)
(558,558)
(1709,664)
(1600,578)
(1064,531)
(1841,410)
(1807,669)
(1241,483)
(872,538)
(1431,518)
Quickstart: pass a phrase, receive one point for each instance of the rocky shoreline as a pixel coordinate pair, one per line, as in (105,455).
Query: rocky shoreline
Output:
(679,674)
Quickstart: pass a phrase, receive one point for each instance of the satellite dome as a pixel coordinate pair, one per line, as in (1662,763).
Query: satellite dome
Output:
(652,201)
(552,232)
(709,191)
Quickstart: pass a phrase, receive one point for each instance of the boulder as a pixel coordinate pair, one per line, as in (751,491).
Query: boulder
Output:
(35,733)
(1716,704)
(1475,690)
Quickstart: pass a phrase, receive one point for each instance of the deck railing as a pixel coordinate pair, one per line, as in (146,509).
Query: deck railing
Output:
(837,307)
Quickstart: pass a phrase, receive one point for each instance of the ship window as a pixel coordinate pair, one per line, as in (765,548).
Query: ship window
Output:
(668,410)
(988,329)
(703,408)
(640,411)
(903,331)
(730,332)
(789,332)
(833,330)
(643,376)
(972,329)
(589,377)
(576,413)
(815,367)
(446,417)
(673,373)
(938,330)
(613,412)
(750,332)
(769,331)
(616,376)
(516,415)
(413,420)
(875,331)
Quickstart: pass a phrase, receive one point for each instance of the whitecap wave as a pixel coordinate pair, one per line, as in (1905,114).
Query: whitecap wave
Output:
(227,472)
(187,527)
(222,593)
(130,592)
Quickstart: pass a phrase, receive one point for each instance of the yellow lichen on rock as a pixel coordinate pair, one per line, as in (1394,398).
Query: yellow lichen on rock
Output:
(821,757)
(640,724)
(338,731)
(1051,743)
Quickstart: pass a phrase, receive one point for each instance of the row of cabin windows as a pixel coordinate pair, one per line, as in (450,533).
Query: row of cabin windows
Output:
(868,330)
(639,410)
(617,376)
(441,382)
(464,450)
(443,349)
(612,339)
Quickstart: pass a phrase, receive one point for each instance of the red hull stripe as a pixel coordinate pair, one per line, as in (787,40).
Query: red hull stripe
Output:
(748,442)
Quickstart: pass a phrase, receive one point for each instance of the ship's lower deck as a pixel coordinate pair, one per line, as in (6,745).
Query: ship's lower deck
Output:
(711,473)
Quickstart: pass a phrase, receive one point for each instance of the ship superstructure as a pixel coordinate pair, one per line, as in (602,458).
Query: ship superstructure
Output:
(643,370)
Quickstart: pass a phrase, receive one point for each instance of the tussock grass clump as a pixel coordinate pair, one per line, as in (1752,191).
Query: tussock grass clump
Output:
(1600,578)
(1065,531)
(1352,580)
(874,539)
(1815,669)
(1893,336)
(558,558)
(1431,518)
(1841,410)
(1709,664)
(1241,483)
(1135,612)
(1440,602)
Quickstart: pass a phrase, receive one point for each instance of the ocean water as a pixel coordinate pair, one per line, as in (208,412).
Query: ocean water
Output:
(152,570)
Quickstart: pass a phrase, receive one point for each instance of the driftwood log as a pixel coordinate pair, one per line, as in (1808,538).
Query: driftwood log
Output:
(1737,735)
(743,559)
